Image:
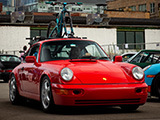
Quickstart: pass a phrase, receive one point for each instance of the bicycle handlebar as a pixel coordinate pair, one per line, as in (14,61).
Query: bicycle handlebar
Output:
(63,3)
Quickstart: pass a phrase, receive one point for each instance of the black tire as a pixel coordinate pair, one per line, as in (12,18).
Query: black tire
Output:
(129,107)
(157,87)
(51,26)
(14,96)
(46,96)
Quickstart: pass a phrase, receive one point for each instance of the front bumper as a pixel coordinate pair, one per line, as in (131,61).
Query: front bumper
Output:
(106,94)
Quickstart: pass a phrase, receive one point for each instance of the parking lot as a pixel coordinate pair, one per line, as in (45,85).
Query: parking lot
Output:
(31,110)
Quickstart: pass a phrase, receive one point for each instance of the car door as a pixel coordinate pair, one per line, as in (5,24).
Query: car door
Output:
(30,72)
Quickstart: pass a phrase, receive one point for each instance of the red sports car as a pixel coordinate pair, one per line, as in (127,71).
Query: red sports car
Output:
(76,72)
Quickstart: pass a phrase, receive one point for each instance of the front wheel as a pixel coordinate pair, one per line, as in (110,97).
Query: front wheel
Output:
(129,107)
(14,96)
(157,86)
(46,95)
(52,30)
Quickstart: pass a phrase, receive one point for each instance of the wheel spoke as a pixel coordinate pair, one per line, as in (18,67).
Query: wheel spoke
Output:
(12,90)
(45,94)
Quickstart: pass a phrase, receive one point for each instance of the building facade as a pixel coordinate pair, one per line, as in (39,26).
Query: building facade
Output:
(152,6)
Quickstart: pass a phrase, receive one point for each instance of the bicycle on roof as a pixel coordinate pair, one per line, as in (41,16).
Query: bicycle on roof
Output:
(55,29)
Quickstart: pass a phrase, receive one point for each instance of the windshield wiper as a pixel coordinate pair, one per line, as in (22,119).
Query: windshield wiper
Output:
(88,57)
(103,58)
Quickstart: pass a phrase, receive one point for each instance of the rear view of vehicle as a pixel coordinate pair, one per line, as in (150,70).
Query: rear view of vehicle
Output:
(7,64)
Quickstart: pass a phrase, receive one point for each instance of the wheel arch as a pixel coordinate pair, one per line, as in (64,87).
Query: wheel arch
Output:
(41,79)
(16,77)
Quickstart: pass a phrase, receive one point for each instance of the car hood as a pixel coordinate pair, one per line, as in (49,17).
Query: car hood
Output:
(98,72)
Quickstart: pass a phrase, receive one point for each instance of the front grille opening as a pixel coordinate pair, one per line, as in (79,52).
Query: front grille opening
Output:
(118,101)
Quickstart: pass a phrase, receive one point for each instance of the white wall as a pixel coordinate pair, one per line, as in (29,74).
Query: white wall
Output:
(13,38)
(151,36)
(103,36)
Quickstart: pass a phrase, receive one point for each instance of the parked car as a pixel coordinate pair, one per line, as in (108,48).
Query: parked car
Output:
(152,78)
(7,63)
(76,72)
(126,56)
(145,57)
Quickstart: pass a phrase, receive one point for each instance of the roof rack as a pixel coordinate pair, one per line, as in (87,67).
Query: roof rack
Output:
(35,39)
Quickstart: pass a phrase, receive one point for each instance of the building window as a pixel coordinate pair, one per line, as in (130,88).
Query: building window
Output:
(142,7)
(56,8)
(152,7)
(88,8)
(134,39)
(133,8)
(73,9)
(79,9)
(38,32)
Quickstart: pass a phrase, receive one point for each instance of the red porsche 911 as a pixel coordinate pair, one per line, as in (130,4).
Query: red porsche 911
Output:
(76,72)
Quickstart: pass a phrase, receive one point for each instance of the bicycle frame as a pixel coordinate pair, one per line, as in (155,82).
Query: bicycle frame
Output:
(61,22)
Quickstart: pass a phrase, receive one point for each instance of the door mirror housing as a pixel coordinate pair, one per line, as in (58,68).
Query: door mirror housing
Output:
(117,58)
(32,59)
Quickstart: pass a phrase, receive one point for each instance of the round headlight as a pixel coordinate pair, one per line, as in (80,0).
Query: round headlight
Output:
(137,73)
(66,74)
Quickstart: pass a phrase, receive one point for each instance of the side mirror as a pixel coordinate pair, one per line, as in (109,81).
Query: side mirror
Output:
(32,59)
(117,59)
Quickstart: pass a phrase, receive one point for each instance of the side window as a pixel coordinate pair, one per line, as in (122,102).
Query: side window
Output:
(156,58)
(34,51)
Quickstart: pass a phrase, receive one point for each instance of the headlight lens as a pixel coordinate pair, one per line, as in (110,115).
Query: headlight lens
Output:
(137,73)
(66,74)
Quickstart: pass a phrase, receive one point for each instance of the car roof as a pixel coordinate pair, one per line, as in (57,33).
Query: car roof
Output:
(8,55)
(60,39)
(150,50)
(128,53)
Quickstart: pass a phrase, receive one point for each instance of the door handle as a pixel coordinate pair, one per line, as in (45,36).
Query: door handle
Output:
(22,68)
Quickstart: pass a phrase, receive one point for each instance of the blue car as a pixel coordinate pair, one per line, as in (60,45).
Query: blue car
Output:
(152,78)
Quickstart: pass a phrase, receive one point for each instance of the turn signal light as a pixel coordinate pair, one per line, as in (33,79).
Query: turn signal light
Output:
(69,92)
(150,76)
(62,92)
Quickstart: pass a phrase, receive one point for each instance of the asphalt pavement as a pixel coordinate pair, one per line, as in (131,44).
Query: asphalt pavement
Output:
(31,110)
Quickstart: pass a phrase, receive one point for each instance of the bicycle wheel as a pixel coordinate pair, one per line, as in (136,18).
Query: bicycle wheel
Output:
(52,30)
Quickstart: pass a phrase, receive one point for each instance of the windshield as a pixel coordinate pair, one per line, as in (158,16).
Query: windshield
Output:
(71,49)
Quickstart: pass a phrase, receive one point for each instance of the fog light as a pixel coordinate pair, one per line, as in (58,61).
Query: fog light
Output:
(76,92)
(138,90)
(141,90)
